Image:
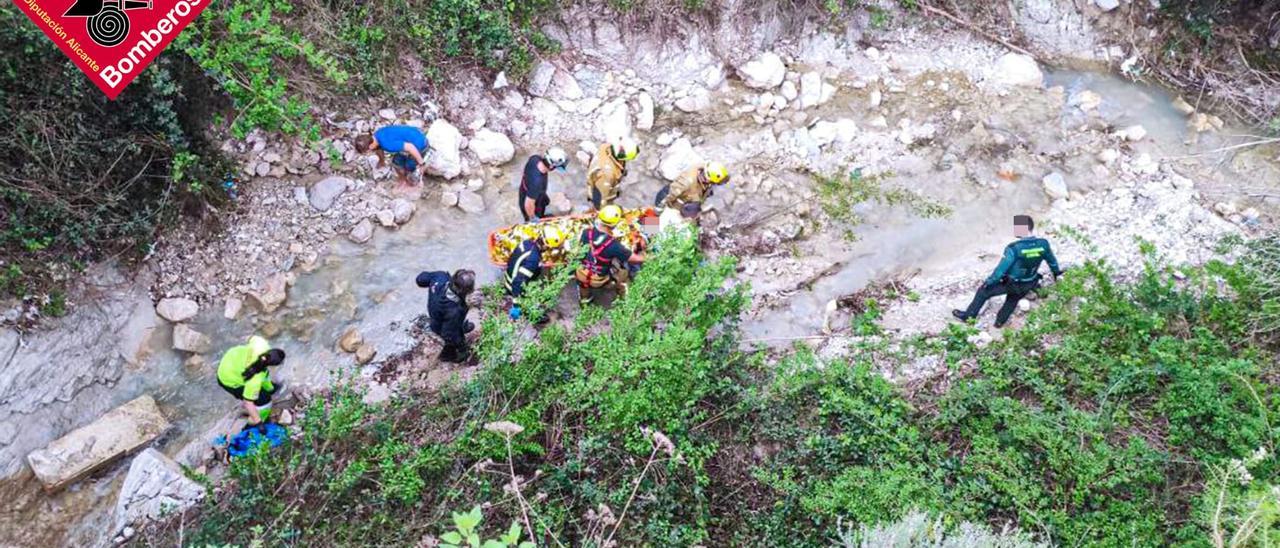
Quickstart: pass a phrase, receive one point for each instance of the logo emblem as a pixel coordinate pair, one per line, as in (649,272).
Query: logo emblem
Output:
(112,41)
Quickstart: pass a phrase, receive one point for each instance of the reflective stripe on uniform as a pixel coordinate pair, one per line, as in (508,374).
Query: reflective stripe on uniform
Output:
(520,269)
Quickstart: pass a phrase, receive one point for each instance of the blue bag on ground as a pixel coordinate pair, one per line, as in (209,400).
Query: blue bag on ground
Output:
(269,434)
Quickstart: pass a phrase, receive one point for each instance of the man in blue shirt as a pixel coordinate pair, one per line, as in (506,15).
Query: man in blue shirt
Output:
(1017,274)
(407,145)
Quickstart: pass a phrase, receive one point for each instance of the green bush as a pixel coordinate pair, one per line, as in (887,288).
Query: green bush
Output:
(82,177)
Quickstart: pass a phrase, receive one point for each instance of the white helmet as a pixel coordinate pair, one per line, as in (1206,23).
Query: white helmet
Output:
(556,158)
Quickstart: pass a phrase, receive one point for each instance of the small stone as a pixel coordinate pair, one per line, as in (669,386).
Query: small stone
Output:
(177,310)
(789,91)
(1106,5)
(262,169)
(365,353)
(1024,305)
(1086,100)
(879,122)
(448,199)
(386,218)
(491,147)
(195,364)
(272,294)
(350,340)
(1181,105)
(1251,214)
(402,210)
(697,100)
(1108,156)
(981,339)
(644,118)
(1146,165)
(362,232)
(127,533)
(1225,209)
(187,339)
(1201,122)
(875,98)
(665,140)
(1132,133)
(387,114)
(1179,275)
(500,81)
(231,309)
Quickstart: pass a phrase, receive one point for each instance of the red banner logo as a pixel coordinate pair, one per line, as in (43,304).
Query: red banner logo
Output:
(112,40)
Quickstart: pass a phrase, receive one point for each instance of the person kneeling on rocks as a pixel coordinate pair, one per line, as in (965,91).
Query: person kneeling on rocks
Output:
(1017,274)
(447,308)
(242,372)
(407,145)
(603,249)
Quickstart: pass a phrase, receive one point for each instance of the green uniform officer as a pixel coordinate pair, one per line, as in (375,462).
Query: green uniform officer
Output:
(1017,274)
(243,374)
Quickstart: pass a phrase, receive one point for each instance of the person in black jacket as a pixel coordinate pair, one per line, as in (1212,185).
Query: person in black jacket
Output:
(447,308)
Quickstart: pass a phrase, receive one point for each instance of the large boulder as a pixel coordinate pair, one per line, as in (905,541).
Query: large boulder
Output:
(764,72)
(446,150)
(177,309)
(187,339)
(90,447)
(1016,69)
(323,193)
(271,294)
(154,488)
(565,86)
(491,147)
(679,157)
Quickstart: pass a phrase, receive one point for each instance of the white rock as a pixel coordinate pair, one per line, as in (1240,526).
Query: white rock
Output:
(540,79)
(875,98)
(697,100)
(779,102)
(565,86)
(231,309)
(1132,133)
(491,147)
(678,158)
(810,89)
(1016,69)
(470,202)
(1226,209)
(588,105)
(154,488)
(177,309)
(879,122)
(448,199)
(1106,5)
(1181,105)
(445,159)
(789,91)
(765,100)
(500,81)
(386,218)
(387,114)
(665,139)
(763,72)
(981,339)
(1055,185)
(614,120)
(513,100)
(323,193)
(1024,305)
(187,339)
(403,210)
(713,76)
(362,232)
(846,130)
(1108,156)
(1201,122)
(872,53)
(1146,165)
(644,118)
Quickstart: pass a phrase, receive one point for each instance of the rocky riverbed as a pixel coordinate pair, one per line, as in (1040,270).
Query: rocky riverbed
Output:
(320,249)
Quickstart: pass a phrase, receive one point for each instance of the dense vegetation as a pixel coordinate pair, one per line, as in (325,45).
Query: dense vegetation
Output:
(1119,415)
(84,179)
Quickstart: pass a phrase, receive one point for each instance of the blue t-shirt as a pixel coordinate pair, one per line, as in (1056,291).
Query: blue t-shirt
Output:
(393,138)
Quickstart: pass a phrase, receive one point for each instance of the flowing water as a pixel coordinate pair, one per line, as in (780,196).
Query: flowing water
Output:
(372,285)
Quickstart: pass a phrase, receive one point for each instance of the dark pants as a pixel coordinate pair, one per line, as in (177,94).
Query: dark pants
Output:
(596,198)
(1013,292)
(662,196)
(539,206)
(404,162)
(455,348)
(264,395)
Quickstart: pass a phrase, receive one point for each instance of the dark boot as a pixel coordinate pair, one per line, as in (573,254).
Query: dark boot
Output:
(959,314)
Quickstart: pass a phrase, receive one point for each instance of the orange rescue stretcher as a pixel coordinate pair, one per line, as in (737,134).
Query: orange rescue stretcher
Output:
(504,240)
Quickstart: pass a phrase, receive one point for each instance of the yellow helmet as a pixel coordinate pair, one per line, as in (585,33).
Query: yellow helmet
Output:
(625,149)
(611,215)
(715,172)
(552,236)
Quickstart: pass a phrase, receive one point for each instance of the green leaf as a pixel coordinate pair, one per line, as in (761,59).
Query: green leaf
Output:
(452,537)
(494,544)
